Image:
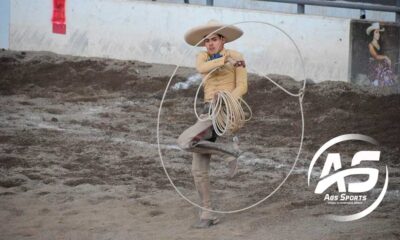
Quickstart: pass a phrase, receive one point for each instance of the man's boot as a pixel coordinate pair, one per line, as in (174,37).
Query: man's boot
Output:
(200,171)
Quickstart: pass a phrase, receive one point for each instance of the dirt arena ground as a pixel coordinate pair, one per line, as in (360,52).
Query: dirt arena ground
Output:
(79,157)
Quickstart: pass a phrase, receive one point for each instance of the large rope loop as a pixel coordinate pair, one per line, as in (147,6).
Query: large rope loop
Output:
(300,96)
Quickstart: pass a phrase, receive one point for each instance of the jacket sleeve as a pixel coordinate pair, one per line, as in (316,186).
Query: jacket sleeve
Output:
(240,78)
(203,66)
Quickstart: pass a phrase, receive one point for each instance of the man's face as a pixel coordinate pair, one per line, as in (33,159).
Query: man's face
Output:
(214,44)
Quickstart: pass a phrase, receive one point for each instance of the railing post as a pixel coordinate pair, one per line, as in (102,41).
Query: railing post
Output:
(300,8)
(362,14)
(210,2)
(398,21)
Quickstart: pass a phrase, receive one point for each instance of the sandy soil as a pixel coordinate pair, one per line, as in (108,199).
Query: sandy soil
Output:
(79,156)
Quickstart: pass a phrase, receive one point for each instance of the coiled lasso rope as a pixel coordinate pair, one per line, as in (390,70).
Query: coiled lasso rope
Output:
(225,111)
(300,96)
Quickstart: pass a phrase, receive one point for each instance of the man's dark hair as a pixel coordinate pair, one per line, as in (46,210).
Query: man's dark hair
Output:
(219,35)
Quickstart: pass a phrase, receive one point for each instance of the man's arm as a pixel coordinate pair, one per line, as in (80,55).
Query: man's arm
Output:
(240,76)
(203,66)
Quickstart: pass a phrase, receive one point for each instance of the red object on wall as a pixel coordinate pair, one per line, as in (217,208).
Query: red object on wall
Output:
(58,18)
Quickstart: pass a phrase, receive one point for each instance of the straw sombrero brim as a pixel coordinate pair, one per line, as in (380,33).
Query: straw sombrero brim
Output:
(194,35)
(372,28)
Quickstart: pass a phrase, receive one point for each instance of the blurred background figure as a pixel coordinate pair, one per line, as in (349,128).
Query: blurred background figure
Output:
(380,71)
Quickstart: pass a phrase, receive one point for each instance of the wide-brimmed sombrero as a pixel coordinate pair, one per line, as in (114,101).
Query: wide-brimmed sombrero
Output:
(230,33)
(374,26)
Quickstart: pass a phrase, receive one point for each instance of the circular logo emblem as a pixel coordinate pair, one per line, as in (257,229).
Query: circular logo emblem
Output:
(352,192)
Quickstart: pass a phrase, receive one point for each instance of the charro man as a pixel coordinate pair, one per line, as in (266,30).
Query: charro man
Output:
(228,73)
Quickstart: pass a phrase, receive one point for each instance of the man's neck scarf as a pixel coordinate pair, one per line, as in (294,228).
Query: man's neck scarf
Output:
(214,56)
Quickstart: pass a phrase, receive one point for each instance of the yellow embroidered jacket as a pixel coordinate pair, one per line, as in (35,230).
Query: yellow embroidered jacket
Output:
(226,77)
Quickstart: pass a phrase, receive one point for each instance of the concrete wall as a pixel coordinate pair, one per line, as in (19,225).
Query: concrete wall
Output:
(4,23)
(153,32)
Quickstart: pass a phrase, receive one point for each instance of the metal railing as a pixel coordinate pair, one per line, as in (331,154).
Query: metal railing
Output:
(328,3)
(209,2)
(361,6)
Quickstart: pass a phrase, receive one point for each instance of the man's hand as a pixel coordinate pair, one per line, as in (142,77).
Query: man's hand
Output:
(236,63)
(239,64)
